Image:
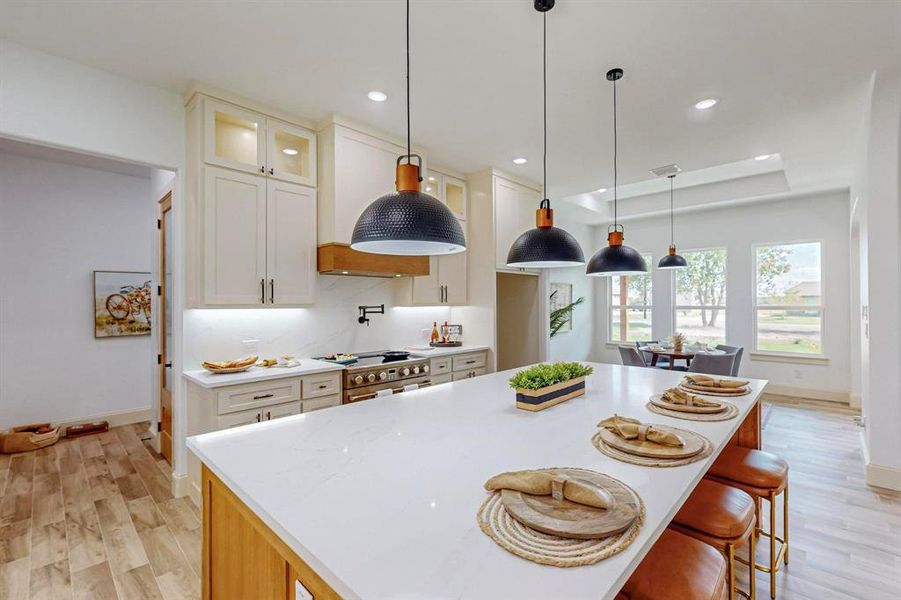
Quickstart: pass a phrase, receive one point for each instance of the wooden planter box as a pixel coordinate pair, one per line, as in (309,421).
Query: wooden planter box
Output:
(535,400)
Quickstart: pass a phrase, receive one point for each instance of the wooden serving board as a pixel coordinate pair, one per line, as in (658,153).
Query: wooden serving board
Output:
(572,520)
(229,370)
(693,444)
(715,391)
(658,400)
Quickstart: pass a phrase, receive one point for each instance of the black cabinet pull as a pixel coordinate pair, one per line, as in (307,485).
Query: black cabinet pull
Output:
(263,169)
(272,291)
(271,171)
(263,396)
(262,291)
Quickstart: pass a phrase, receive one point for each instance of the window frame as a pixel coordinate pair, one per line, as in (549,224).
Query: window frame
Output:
(756,308)
(674,289)
(611,307)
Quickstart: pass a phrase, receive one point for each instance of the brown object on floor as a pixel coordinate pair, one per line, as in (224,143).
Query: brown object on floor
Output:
(28,437)
(680,567)
(86,429)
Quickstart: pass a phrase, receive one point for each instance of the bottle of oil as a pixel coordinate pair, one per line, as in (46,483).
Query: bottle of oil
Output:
(436,337)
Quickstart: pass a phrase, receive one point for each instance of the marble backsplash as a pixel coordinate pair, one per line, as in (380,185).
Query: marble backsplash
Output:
(328,326)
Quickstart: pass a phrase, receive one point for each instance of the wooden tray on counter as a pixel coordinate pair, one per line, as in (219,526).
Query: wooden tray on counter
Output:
(693,444)
(657,400)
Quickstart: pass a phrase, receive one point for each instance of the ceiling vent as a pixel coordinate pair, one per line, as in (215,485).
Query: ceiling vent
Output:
(666,170)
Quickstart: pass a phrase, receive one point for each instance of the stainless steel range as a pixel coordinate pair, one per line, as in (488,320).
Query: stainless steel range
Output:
(383,370)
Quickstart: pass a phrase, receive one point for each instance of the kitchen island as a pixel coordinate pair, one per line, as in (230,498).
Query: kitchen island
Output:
(379,499)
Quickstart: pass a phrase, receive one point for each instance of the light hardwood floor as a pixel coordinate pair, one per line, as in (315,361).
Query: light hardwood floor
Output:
(93,518)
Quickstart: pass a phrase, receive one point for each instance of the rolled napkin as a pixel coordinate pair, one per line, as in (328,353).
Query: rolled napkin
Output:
(543,483)
(632,429)
(707,381)
(677,396)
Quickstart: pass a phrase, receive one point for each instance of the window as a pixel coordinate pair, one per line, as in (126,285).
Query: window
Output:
(700,304)
(788,304)
(630,307)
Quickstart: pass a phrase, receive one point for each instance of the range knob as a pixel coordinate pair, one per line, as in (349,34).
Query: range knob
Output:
(416,370)
(405,371)
(383,376)
(425,368)
(370,377)
(358,379)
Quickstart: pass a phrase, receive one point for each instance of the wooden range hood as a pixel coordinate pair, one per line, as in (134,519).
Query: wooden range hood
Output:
(340,259)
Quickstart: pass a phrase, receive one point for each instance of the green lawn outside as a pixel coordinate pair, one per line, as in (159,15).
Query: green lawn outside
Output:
(802,346)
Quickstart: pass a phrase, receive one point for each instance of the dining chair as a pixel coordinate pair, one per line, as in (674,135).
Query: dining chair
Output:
(662,361)
(712,364)
(737,350)
(631,357)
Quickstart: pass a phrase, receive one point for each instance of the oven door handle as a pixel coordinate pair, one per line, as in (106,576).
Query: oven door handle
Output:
(394,391)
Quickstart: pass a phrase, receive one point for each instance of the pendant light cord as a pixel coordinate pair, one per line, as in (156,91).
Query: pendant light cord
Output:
(544,77)
(672,228)
(614,157)
(409,145)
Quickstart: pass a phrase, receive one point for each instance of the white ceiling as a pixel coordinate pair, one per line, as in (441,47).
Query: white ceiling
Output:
(791,76)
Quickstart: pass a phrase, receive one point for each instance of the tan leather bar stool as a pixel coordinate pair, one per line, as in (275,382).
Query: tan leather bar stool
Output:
(723,517)
(764,476)
(678,568)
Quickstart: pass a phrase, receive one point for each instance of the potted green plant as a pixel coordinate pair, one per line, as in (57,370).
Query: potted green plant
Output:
(544,385)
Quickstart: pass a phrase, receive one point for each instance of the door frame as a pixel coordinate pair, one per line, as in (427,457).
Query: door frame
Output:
(164,397)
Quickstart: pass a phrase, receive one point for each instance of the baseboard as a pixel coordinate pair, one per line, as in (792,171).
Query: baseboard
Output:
(841,396)
(878,475)
(115,419)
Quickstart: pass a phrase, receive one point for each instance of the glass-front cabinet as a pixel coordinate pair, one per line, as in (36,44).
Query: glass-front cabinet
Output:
(450,190)
(247,141)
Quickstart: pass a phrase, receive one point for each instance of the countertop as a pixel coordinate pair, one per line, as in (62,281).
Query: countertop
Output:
(438,352)
(308,366)
(380,497)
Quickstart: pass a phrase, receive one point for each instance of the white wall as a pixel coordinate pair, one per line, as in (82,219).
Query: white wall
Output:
(61,222)
(575,344)
(821,217)
(330,326)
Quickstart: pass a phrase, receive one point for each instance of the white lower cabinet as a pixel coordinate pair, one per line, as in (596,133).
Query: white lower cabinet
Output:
(458,366)
(468,374)
(237,419)
(438,380)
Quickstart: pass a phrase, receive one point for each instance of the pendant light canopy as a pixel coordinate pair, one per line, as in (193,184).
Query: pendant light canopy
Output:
(615,259)
(545,246)
(408,222)
(672,260)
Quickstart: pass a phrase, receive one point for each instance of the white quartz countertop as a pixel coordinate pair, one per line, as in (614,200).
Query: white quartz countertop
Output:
(380,497)
(438,352)
(308,366)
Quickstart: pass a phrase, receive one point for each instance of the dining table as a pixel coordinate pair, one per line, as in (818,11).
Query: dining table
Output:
(673,355)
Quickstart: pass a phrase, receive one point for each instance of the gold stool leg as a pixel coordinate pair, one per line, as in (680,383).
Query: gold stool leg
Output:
(773,545)
(752,561)
(785,522)
(730,554)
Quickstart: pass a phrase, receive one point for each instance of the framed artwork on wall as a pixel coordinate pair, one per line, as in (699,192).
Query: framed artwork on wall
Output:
(121,303)
(561,297)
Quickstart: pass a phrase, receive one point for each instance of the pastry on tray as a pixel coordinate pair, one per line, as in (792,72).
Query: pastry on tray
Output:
(230,365)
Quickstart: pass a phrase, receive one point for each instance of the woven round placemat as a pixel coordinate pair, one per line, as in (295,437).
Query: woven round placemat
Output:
(745,391)
(651,462)
(730,413)
(544,549)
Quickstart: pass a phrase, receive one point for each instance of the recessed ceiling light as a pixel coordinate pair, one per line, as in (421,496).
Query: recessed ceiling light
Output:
(762,156)
(289,151)
(519,161)
(601,190)
(428,189)
(377,96)
(706,103)
(431,178)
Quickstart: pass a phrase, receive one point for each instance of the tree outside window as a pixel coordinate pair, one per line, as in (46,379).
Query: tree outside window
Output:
(631,307)
(700,307)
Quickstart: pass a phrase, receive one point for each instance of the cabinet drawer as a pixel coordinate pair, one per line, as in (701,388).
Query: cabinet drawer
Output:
(326,384)
(440,366)
(282,410)
(447,378)
(254,395)
(469,374)
(466,362)
(324,402)
(238,419)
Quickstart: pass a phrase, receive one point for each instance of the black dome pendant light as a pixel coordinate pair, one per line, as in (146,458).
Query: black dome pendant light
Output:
(408,222)
(615,259)
(672,260)
(545,246)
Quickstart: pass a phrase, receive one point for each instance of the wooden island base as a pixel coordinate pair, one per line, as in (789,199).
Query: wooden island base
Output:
(243,558)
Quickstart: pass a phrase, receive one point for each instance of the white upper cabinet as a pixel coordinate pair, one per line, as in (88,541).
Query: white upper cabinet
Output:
(290,243)
(514,213)
(234,217)
(290,153)
(455,196)
(248,141)
(453,272)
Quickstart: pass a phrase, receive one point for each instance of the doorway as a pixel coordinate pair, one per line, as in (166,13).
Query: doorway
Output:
(165,336)
(518,322)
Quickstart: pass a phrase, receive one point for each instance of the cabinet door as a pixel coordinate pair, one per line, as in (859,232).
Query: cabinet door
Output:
(290,243)
(234,138)
(434,185)
(514,213)
(364,172)
(454,196)
(452,271)
(234,215)
(427,289)
(238,419)
(280,410)
(290,152)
